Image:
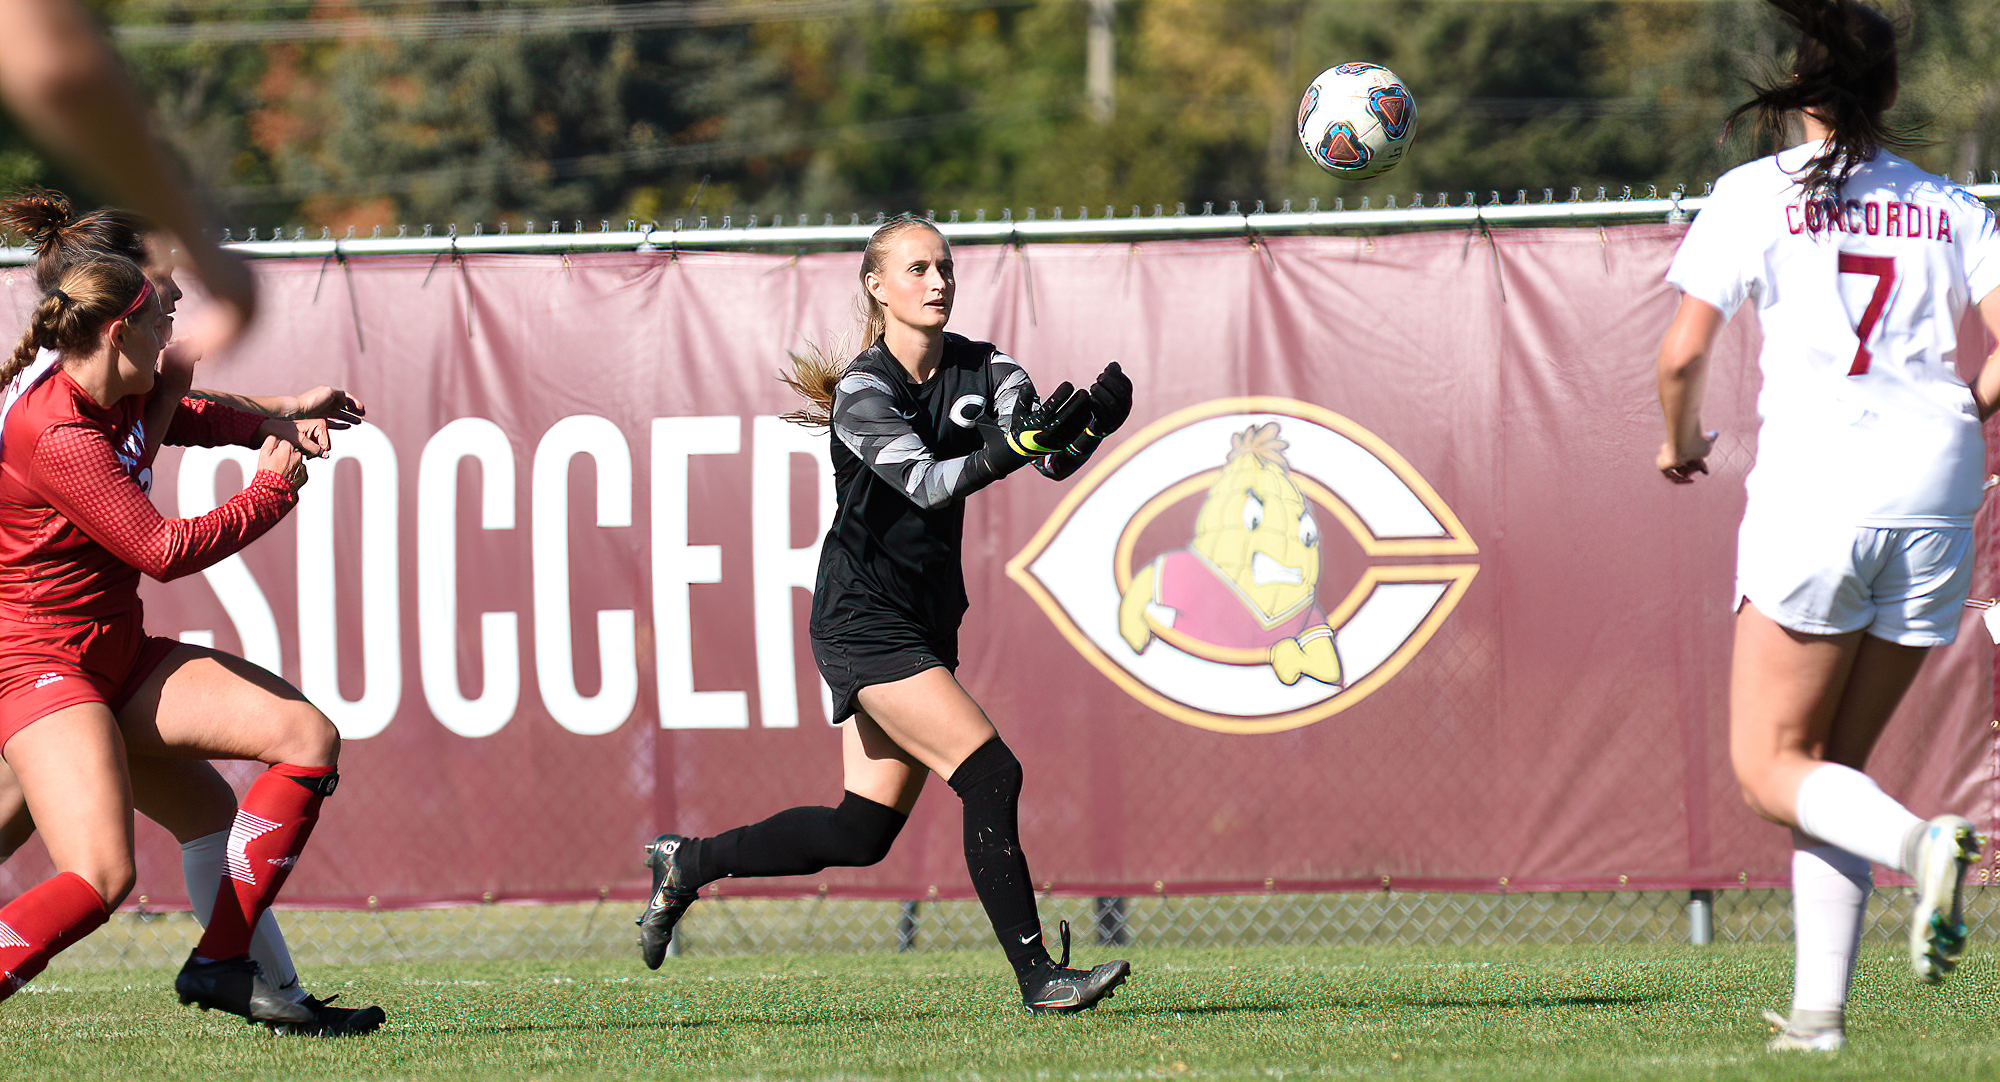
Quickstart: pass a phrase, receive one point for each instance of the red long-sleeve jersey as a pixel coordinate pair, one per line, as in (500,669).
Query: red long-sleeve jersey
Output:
(76,526)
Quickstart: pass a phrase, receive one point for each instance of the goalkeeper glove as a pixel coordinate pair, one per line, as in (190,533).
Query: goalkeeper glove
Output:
(1110,401)
(1048,426)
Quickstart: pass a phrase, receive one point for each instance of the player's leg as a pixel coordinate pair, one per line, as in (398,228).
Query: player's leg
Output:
(71,768)
(196,805)
(192,801)
(1920,601)
(1795,766)
(1786,690)
(185,796)
(882,784)
(16,825)
(1830,884)
(202,703)
(932,718)
(1784,687)
(1829,901)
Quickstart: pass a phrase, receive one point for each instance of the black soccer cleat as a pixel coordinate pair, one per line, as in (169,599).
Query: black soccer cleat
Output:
(670,899)
(1062,990)
(232,984)
(332,1021)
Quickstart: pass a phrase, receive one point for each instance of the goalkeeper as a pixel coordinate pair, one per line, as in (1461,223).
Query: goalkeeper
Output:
(923,419)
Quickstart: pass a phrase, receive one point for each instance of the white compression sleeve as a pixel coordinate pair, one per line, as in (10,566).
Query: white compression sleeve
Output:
(1829,902)
(201,865)
(1843,807)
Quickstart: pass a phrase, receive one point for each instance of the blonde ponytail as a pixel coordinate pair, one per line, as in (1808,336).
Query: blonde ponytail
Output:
(816,370)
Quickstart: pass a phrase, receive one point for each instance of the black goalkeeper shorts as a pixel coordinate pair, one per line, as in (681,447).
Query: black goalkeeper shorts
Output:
(876,648)
(862,637)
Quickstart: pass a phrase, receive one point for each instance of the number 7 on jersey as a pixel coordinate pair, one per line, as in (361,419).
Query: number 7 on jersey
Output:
(1883,269)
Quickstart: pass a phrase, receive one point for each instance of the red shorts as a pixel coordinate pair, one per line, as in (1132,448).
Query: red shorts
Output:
(48,667)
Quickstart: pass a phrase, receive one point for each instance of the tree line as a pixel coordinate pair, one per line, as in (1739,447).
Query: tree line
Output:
(364,113)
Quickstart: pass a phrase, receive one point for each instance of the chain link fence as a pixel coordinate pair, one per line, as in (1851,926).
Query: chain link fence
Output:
(729,926)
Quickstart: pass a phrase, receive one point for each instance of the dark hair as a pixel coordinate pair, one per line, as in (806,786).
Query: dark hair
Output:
(95,290)
(818,367)
(60,237)
(1844,73)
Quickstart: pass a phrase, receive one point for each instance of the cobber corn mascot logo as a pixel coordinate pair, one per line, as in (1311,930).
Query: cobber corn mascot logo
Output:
(1222,621)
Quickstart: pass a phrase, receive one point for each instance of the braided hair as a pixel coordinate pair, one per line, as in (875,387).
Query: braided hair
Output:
(1844,74)
(95,290)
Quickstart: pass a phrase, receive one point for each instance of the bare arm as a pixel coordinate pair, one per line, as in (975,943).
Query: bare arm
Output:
(1683,374)
(309,435)
(302,420)
(66,87)
(338,408)
(1986,388)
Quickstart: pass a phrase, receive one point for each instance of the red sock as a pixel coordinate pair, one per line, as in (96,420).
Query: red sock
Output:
(37,926)
(271,829)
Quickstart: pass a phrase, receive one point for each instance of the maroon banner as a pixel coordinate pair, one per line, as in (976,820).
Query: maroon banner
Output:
(1378,588)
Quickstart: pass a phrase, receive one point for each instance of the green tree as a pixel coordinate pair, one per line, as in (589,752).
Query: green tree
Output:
(973,104)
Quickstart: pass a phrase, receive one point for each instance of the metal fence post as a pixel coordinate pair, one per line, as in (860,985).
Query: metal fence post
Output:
(1701,917)
(1111,928)
(906,926)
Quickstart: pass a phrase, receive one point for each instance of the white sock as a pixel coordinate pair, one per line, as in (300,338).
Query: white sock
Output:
(1842,807)
(1829,901)
(201,865)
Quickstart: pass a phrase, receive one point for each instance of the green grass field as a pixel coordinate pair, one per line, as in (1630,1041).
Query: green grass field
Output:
(1581,1012)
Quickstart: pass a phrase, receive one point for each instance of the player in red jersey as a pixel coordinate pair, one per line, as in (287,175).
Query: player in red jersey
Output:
(186,796)
(81,683)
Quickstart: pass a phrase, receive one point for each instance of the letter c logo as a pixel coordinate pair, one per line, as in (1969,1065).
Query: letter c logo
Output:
(965,412)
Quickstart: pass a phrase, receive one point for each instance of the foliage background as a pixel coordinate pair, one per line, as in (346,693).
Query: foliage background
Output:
(362,113)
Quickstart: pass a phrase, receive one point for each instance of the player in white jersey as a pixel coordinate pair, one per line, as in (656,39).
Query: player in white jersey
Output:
(1854,556)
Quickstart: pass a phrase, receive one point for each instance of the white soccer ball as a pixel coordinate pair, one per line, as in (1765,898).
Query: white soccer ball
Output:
(1356,120)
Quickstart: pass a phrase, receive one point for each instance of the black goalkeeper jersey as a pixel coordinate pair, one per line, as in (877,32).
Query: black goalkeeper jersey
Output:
(891,590)
(905,456)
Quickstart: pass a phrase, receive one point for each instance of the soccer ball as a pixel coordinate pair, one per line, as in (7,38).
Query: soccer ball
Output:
(1356,120)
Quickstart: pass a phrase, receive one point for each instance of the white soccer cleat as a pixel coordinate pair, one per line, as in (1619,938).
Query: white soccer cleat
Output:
(1937,928)
(1829,1038)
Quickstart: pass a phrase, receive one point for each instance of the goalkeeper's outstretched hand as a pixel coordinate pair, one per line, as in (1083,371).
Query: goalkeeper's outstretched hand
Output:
(1045,427)
(1110,401)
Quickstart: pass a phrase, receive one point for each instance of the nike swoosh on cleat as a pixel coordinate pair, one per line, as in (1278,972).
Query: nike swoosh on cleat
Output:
(1027,939)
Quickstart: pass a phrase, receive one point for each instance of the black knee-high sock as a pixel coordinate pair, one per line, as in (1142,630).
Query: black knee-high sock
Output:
(989,783)
(797,841)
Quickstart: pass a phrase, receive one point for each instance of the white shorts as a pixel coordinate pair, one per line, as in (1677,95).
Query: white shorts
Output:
(1906,585)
